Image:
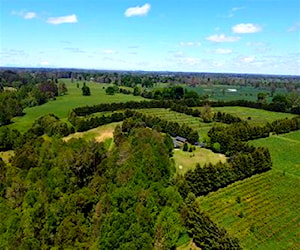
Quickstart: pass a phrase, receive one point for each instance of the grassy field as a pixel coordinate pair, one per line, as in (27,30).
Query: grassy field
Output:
(258,116)
(100,134)
(263,211)
(222,92)
(63,104)
(188,160)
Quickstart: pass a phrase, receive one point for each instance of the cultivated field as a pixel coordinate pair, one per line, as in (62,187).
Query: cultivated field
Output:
(263,211)
(193,122)
(64,104)
(258,116)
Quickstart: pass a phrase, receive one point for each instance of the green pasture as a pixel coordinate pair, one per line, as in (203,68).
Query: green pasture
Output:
(223,93)
(185,161)
(263,211)
(258,116)
(64,104)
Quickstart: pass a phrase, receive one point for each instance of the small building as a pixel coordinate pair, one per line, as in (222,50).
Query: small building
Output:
(176,144)
(200,144)
(181,139)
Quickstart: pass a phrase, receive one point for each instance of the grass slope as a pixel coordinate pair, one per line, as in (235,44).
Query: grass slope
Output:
(64,104)
(258,116)
(100,134)
(263,211)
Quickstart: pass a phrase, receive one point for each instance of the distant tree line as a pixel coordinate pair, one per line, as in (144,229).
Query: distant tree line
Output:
(12,102)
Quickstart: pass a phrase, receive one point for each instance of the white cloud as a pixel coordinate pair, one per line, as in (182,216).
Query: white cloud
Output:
(223,51)
(190,44)
(248,59)
(30,15)
(63,19)
(233,10)
(138,10)
(44,63)
(222,38)
(108,51)
(294,28)
(25,14)
(244,28)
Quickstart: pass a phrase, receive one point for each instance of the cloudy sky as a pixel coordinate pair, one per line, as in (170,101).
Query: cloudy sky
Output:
(239,36)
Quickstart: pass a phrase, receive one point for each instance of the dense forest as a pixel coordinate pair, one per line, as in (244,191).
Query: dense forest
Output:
(76,194)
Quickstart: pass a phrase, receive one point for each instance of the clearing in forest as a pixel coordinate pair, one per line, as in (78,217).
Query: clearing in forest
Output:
(185,161)
(100,134)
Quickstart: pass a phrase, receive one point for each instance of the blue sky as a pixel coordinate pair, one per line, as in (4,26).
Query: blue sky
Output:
(249,36)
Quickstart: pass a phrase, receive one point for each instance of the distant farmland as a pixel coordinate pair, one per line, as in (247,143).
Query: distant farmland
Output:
(64,104)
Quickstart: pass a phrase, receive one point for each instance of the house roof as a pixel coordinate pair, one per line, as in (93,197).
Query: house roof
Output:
(181,139)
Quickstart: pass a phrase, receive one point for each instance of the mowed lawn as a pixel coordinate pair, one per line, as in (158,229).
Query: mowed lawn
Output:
(64,104)
(258,116)
(185,161)
(263,211)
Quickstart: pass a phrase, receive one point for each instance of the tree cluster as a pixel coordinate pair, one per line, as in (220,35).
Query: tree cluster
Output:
(73,195)
(206,234)
(225,118)
(208,178)
(230,137)
(172,128)
(51,125)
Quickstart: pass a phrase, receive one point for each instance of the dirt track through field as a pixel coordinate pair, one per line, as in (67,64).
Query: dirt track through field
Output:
(105,135)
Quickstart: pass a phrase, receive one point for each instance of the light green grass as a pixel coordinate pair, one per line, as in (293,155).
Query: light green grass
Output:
(64,104)
(267,216)
(285,151)
(5,155)
(100,134)
(258,116)
(188,160)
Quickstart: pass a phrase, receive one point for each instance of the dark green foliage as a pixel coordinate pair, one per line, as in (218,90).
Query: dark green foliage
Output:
(72,196)
(206,234)
(10,106)
(47,199)
(10,139)
(110,90)
(208,178)
(172,128)
(225,118)
(51,125)
(185,147)
(49,89)
(85,90)
(230,137)
(136,91)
